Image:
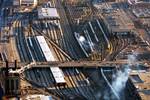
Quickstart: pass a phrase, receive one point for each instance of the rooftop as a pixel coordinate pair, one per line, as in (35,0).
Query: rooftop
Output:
(48,13)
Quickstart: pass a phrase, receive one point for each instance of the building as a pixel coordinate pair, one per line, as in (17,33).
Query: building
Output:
(24,2)
(48,13)
(118,22)
(24,5)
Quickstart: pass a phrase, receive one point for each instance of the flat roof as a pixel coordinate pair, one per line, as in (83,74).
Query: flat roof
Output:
(47,13)
(144,87)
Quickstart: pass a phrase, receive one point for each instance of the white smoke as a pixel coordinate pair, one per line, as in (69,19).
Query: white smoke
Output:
(81,39)
(121,77)
(120,80)
(87,43)
(84,42)
(132,59)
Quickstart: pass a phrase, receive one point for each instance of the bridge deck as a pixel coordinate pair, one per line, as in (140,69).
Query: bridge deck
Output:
(73,64)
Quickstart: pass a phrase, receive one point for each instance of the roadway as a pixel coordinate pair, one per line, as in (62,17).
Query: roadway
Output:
(90,63)
(69,64)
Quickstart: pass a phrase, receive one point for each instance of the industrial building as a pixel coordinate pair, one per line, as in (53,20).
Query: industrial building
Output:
(48,13)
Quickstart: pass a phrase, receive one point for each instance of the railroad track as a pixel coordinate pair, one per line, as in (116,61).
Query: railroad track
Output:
(54,44)
(118,45)
(46,33)
(37,53)
(76,86)
(59,36)
(21,44)
(74,49)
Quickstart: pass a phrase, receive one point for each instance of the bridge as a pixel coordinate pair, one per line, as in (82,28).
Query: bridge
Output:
(87,64)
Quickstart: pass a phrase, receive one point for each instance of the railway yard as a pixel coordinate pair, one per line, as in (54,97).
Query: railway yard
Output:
(74,50)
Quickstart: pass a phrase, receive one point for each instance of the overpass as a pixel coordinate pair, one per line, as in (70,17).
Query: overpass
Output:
(86,64)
